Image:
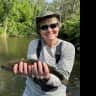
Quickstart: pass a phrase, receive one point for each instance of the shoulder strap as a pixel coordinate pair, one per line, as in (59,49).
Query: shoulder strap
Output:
(58,52)
(39,47)
(57,57)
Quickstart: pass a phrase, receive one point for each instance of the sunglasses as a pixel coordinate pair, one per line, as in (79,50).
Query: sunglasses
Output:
(52,26)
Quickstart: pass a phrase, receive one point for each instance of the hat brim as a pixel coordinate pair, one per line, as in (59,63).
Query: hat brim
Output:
(40,18)
(47,15)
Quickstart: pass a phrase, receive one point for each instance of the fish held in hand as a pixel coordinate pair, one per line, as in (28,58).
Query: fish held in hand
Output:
(10,64)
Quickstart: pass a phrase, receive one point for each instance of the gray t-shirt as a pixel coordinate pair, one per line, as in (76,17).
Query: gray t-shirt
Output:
(47,55)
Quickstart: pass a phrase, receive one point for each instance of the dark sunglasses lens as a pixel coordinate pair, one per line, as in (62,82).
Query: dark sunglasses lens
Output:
(53,25)
(45,27)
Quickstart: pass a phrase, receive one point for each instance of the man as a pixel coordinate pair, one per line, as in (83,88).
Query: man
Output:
(49,49)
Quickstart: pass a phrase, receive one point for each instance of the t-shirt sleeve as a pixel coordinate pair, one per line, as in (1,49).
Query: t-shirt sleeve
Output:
(65,64)
(31,53)
(67,60)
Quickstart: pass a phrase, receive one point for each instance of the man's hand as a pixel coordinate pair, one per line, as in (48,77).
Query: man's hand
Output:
(38,69)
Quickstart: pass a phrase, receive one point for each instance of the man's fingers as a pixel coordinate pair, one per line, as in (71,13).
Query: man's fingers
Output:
(45,68)
(25,68)
(29,69)
(21,65)
(35,70)
(32,71)
(40,68)
(46,71)
(15,68)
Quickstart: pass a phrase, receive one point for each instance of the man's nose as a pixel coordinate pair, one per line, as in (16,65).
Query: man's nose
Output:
(49,29)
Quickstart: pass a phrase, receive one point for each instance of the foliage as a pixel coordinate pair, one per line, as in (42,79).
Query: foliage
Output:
(70,31)
(17,17)
(71,28)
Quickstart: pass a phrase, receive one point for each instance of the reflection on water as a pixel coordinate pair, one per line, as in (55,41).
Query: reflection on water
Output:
(16,48)
(11,49)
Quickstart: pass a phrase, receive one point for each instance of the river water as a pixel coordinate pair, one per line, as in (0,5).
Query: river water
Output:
(16,48)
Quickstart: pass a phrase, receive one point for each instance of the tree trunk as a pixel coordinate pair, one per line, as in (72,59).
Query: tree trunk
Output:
(5,28)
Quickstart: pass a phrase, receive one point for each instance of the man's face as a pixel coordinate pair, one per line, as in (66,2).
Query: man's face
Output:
(49,28)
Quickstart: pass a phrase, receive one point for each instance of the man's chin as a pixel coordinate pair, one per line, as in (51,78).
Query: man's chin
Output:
(50,37)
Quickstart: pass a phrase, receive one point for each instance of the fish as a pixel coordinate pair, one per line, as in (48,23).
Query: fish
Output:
(9,67)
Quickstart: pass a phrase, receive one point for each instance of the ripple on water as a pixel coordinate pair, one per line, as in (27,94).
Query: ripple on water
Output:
(2,86)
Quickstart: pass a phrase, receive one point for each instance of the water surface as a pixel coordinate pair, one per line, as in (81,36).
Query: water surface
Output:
(16,48)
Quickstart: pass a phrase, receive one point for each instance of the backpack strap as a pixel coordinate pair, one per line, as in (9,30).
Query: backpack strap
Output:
(58,52)
(39,47)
